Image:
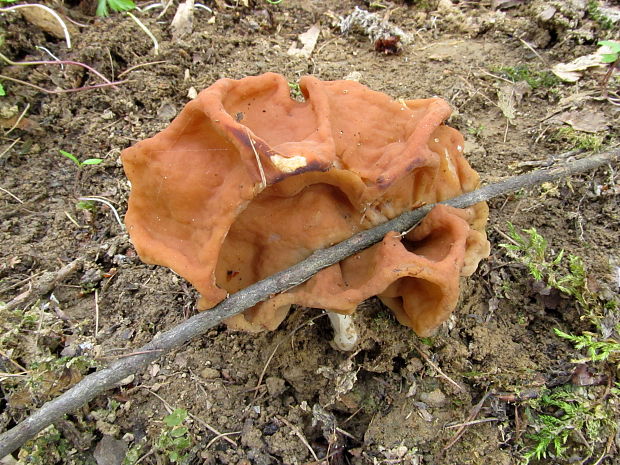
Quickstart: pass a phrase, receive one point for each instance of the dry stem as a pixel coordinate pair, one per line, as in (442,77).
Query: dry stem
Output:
(199,324)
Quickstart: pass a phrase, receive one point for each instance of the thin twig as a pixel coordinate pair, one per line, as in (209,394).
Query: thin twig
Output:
(50,11)
(42,286)
(534,51)
(221,436)
(62,91)
(96,312)
(55,62)
(5,151)
(275,349)
(437,369)
(198,419)
(474,413)
(73,220)
(108,378)
(141,65)
(11,194)
(19,119)
(147,32)
(299,434)
(473,422)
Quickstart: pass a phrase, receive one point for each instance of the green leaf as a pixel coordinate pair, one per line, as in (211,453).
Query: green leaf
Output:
(176,417)
(71,157)
(609,57)
(181,443)
(92,161)
(173,456)
(614,45)
(178,432)
(121,5)
(2,91)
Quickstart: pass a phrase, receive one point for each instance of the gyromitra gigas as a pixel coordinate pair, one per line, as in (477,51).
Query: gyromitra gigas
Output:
(246,182)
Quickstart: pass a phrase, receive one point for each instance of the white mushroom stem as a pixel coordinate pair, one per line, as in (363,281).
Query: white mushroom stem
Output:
(345,334)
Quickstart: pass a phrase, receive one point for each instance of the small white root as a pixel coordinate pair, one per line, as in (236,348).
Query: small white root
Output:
(345,333)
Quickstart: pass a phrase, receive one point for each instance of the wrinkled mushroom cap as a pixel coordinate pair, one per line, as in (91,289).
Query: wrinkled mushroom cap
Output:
(246,182)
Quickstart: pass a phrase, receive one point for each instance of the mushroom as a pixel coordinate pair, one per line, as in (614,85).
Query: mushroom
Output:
(246,182)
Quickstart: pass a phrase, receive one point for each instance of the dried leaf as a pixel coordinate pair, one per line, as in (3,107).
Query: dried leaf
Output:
(45,21)
(182,23)
(585,120)
(308,41)
(570,72)
(510,96)
(583,377)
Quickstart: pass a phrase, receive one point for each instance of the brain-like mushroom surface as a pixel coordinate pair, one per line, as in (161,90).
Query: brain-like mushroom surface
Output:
(246,182)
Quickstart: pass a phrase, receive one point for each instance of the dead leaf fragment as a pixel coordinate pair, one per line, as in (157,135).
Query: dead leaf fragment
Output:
(570,72)
(308,41)
(505,4)
(43,20)
(182,23)
(510,96)
(585,120)
(582,376)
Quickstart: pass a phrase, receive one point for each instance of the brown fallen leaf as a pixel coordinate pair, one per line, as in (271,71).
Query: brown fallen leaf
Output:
(586,120)
(45,21)
(182,23)
(25,124)
(308,41)
(583,377)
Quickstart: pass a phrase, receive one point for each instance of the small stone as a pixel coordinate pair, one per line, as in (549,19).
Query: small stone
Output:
(110,451)
(210,373)
(275,386)
(434,398)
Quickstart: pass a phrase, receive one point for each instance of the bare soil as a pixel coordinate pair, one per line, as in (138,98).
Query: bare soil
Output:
(390,403)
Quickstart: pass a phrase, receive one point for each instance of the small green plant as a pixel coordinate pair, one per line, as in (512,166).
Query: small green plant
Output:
(595,13)
(295,91)
(531,249)
(49,446)
(78,163)
(614,46)
(115,5)
(85,205)
(567,274)
(596,349)
(562,412)
(2,91)
(535,79)
(476,131)
(174,440)
(579,140)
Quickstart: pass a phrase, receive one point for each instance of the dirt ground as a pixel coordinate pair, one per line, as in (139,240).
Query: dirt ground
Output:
(394,399)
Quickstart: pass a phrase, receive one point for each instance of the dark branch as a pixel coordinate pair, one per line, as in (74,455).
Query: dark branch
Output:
(108,378)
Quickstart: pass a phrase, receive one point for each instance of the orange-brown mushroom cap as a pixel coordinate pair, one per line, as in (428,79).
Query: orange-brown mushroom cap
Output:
(246,182)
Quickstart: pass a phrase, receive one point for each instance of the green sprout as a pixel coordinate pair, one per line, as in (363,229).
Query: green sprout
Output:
(614,46)
(78,163)
(115,5)
(174,439)
(295,91)
(2,91)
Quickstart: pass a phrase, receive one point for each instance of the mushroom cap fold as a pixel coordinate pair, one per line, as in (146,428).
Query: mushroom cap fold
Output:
(246,182)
